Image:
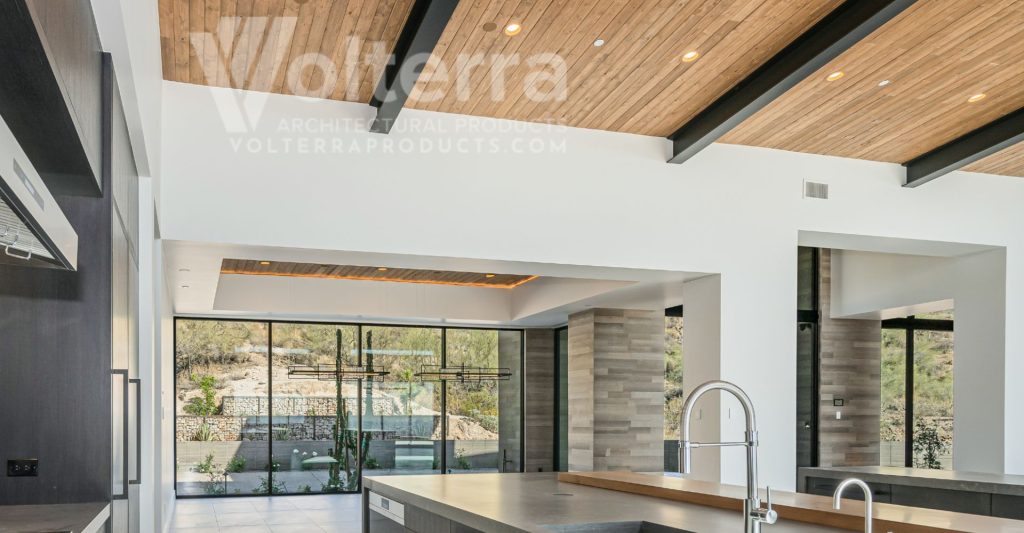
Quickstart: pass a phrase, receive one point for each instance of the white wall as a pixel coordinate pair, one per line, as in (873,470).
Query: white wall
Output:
(702,345)
(867,284)
(164,328)
(595,198)
(128,31)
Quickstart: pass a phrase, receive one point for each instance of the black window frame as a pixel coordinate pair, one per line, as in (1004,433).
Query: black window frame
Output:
(360,326)
(910,325)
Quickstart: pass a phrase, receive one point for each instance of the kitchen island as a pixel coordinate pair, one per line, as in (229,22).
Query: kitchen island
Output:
(965,492)
(534,503)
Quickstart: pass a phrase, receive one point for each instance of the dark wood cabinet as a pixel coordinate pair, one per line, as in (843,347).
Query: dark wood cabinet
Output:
(51,93)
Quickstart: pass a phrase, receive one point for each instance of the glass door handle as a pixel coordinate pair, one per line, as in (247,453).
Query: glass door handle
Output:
(124,420)
(138,431)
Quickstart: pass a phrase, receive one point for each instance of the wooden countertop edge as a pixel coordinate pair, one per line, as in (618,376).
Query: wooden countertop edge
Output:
(805,508)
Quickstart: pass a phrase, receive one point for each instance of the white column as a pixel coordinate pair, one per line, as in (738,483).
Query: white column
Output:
(702,356)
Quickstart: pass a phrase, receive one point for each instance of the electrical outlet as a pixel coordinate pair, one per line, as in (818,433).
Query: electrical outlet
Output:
(22,467)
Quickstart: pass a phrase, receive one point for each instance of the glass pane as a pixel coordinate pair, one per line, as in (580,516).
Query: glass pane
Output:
(938,315)
(805,279)
(221,425)
(893,415)
(674,395)
(806,397)
(475,441)
(401,414)
(563,400)
(933,399)
(314,447)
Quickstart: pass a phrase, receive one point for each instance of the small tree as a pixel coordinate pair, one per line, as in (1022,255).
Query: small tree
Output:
(928,445)
(206,404)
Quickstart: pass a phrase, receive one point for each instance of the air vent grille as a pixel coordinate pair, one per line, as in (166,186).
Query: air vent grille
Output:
(815,190)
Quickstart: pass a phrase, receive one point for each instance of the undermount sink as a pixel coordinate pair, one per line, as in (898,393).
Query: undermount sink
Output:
(615,527)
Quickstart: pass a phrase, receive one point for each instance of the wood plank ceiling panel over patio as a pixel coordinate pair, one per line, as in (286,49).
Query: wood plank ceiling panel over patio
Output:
(1009,162)
(637,82)
(281,46)
(934,56)
(254,267)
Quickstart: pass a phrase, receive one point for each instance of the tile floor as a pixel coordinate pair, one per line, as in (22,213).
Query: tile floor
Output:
(281,514)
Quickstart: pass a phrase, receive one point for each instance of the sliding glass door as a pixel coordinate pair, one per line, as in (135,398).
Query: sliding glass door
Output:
(270,408)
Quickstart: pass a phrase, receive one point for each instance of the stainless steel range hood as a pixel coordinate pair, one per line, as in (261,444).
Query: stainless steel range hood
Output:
(33,229)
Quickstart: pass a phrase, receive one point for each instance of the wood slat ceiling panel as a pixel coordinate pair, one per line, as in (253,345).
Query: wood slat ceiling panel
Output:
(281,46)
(1009,162)
(635,83)
(373,273)
(936,55)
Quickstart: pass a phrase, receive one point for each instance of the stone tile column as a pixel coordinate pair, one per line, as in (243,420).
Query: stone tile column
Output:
(539,415)
(616,390)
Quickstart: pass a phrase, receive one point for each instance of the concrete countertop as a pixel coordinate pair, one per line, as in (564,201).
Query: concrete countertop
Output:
(76,517)
(517,503)
(916,477)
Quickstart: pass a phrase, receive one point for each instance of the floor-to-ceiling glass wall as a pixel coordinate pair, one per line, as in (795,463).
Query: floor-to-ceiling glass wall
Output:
(221,407)
(402,412)
(258,404)
(473,416)
(917,391)
(674,393)
(313,441)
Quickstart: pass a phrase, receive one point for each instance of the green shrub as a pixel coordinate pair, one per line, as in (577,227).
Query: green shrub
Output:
(204,433)
(265,488)
(206,404)
(236,464)
(371,463)
(206,466)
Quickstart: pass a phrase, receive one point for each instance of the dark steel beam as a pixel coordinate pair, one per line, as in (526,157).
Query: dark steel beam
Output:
(833,35)
(976,145)
(427,21)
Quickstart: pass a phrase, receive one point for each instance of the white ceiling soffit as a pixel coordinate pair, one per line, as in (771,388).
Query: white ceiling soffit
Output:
(198,288)
(889,245)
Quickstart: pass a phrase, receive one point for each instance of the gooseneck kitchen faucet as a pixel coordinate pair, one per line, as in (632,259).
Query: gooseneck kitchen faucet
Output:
(753,513)
(838,496)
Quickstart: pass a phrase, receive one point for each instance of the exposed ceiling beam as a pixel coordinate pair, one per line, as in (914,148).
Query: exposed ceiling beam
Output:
(837,32)
(422,30)
(974,146)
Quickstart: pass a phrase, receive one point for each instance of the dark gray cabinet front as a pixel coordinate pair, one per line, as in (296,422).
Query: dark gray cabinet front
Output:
(1005,506)
(947,500)
(51,90)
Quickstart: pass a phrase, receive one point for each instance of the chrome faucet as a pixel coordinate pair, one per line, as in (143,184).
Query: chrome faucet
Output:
(753,513)
(868,500)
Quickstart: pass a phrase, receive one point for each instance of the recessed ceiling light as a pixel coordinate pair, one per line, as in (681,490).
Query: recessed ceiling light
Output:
(489,275)
(599,43)
(691,56)
(264,263)
(977,98)
(184,270)
(835,75)
(382,269)
(184,286)
(883,83)
(489,26)
(513,28)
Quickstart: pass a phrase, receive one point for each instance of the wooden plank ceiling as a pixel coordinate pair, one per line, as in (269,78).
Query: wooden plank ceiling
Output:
(373,273)
(935,56)
(637,82)
(257,43)
(932,58)
(1009,162)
